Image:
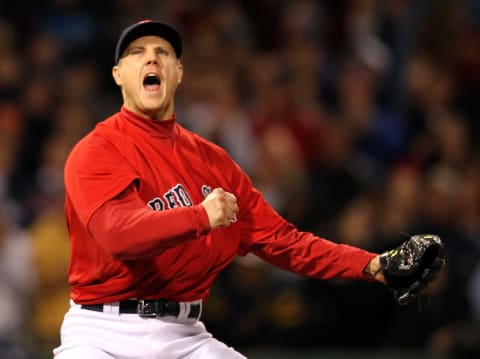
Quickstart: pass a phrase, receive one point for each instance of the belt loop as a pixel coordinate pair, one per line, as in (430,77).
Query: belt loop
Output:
(184,309)
(112,308)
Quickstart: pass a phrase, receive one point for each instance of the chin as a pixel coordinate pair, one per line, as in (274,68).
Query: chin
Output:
(151,107)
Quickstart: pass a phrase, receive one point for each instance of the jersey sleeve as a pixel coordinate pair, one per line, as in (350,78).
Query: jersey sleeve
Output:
(95,172)
(129,230)
(269,236)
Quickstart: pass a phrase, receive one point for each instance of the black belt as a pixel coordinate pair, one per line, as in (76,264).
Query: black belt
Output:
(149,308)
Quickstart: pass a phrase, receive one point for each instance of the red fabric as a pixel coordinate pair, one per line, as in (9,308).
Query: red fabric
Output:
(129,230)
(153,240)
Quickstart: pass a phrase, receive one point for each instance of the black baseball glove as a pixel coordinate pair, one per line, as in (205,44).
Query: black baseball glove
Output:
(409,268)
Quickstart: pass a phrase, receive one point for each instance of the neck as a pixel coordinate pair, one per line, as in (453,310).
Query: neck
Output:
(161,114)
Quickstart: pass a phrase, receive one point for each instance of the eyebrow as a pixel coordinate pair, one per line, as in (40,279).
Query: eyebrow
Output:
(142,47)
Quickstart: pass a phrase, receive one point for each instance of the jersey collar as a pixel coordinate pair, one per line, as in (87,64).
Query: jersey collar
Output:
(162,129)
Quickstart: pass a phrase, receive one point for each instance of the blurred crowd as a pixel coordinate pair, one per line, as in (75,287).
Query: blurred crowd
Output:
(358,119)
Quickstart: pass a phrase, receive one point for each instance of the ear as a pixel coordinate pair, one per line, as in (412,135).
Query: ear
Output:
(116,75)
(180,73)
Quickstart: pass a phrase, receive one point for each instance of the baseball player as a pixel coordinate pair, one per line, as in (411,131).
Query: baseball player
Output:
(155,212)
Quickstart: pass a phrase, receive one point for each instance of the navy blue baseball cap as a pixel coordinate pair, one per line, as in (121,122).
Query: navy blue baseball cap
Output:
(147,28)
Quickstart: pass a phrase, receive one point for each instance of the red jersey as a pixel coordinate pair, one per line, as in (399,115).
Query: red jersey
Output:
(167,250)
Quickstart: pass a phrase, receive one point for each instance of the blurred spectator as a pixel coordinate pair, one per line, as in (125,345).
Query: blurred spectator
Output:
(17,281)
(380,134)
(50,246)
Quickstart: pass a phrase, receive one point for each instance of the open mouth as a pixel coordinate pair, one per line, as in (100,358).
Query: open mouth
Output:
(151,82)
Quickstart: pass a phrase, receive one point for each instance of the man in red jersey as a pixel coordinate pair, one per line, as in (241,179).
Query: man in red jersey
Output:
(155,212)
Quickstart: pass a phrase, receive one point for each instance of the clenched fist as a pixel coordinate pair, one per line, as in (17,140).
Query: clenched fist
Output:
(221,207)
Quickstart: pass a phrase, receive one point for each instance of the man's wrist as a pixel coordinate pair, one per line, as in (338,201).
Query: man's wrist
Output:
(374,270)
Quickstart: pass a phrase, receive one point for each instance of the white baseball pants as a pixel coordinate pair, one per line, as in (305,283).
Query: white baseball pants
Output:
(101,335)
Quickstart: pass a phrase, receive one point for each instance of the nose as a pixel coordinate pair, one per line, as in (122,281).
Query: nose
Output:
(151,57)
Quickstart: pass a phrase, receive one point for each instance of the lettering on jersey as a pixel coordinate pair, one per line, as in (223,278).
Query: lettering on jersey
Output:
(182,195)
(156,204)
(175,197)
(170,198)
(206,190)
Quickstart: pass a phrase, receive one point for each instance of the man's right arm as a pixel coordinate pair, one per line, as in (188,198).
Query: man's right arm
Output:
(126,228)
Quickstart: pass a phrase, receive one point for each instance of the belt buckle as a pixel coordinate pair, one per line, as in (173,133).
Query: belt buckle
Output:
(148,308)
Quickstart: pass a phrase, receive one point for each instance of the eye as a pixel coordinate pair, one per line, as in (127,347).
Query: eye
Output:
(136,51)
(162,51)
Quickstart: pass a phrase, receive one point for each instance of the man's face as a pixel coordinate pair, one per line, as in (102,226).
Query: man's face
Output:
(149,74)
